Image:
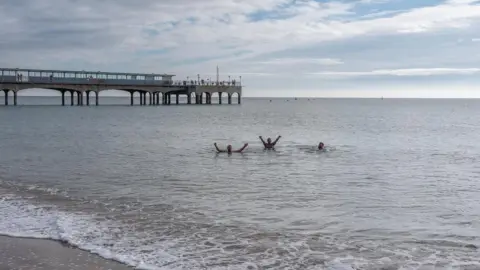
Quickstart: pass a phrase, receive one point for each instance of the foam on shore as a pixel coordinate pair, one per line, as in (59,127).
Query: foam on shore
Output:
(84,231)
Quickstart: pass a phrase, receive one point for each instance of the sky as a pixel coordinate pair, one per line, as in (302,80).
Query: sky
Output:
(281,48)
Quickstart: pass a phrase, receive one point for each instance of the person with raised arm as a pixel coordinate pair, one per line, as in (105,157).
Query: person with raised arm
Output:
(229,149)
(269,144)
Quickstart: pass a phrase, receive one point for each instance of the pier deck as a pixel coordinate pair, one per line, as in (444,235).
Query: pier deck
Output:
(158,87)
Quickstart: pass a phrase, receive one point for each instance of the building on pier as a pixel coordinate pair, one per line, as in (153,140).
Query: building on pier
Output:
(82,85)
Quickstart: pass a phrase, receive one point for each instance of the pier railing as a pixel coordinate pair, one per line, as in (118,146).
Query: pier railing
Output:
(37,76)
(93,81)
(207,83)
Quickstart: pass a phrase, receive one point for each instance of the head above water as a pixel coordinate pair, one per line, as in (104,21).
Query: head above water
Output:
(321,145)
(229,148)
(269,140)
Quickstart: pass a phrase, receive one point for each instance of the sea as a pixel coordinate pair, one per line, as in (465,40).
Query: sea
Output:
(397,187)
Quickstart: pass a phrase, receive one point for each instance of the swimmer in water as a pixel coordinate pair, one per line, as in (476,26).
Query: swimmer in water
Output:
(269,144)
(321,146)
(229,149)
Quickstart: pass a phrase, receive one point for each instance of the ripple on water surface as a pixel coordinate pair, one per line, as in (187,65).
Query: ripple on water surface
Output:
(140,185)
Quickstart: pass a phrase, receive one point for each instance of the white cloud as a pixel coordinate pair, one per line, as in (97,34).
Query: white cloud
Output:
(197,35)
(462,2)
(295,61)
(310,23)
(373,1)
(399,72)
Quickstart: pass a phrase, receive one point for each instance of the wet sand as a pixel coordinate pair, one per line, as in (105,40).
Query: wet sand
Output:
(39,254)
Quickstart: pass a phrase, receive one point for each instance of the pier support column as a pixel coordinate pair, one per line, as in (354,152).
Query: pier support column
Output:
(169,99)
(239,99)
(96,98)
(220,94)
(189,98)
(150,98)
(158,98)
(131,98)
(71,98)
(78,98)
(63,98)
(88,98)
(14,98)
(209,98)
(145,98)
(229,98)
(6,96)
(177,98)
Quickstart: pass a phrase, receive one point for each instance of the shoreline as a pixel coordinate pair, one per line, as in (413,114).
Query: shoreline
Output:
(18,253)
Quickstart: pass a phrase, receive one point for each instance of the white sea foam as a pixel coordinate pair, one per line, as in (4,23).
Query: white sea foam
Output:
(144,250)
(102,237)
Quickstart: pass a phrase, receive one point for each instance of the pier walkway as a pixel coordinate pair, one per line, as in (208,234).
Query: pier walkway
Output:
(82,84)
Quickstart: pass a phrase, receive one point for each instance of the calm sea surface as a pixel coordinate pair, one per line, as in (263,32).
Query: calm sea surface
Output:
(397,188)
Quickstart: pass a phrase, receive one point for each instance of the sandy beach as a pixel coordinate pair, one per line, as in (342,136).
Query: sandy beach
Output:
(39,254)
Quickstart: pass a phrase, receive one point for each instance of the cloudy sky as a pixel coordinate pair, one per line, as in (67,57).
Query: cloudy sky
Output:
(401,48)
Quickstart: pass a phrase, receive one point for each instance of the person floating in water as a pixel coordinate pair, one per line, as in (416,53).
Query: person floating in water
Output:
(269,144)
(229,149)
(321,146)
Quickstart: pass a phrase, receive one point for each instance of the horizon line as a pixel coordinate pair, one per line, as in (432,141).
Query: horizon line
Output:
(284,97)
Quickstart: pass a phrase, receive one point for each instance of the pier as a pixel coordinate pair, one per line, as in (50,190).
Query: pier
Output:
(154,89)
